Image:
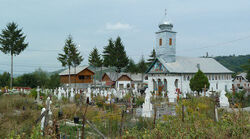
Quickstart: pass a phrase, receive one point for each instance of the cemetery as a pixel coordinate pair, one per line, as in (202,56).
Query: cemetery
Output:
(112,96)
(111,113)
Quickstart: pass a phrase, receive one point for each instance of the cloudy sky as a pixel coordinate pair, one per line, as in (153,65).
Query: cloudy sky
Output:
(219,27)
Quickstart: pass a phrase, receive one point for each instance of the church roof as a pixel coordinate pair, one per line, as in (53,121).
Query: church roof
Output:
(190,65)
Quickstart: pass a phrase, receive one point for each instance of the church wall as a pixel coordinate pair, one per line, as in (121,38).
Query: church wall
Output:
(215,85)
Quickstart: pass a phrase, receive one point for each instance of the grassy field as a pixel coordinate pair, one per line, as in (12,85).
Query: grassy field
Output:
(18,114)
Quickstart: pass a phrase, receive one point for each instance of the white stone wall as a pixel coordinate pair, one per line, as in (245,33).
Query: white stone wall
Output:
(183,83)
(124,84)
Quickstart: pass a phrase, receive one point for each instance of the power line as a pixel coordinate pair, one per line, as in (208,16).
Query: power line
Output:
(218,44)
(30,66)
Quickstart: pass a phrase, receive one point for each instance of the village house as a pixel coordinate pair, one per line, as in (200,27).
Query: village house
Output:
(123,80)
(171,73)
(240,82)
(81,77)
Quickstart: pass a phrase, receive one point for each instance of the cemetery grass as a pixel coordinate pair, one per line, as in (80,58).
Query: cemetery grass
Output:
(198,122)
(17,115)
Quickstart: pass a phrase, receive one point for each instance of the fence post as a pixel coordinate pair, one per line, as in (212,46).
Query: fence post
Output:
(83,121)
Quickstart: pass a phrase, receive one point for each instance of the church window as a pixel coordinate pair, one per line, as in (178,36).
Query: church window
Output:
(216,85)
(160,42)
(209,77)
(188,78)
(219,77)
(212,77)
(170,41)
(215,77)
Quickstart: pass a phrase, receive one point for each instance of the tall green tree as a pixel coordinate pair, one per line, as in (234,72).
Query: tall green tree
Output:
(120,58)
(199,81)
(131,67)
(12,42)
(66,58)
(4,79)
(108,54)
(95,58)
(142,66)
(152,57)
(77,59)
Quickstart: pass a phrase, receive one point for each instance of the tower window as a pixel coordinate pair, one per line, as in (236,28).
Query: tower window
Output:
(170,41)
(160,42)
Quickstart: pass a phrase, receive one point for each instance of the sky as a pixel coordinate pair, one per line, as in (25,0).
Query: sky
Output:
(219,27)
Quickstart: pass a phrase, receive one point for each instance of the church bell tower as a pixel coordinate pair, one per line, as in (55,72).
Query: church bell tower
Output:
(166,41)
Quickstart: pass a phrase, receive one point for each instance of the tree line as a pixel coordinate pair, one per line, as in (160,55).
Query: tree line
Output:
(34,79)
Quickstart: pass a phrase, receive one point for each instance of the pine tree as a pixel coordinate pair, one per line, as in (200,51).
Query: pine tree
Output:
(67,57)
(12,42)
(199,81)
(120,58)
(108,54)
(95,58)
(77,59)
(131,67)
(142,66)
(152,57)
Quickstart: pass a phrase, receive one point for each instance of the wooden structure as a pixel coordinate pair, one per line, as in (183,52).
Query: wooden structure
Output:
(122,80)
(82,74)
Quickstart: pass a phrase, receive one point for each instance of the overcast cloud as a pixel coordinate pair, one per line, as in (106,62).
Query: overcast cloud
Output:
(219,27)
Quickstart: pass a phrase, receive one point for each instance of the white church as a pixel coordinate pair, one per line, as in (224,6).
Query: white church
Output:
(170,73)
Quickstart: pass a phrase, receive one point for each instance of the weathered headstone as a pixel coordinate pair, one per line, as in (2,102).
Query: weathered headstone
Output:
(223,99)
(147,107)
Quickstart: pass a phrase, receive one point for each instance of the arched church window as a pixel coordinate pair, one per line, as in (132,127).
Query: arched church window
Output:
(176,83)
(160,42)
(188,78)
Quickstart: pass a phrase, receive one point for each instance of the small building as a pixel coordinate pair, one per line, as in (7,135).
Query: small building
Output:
(240,82)
(123,80)
(80,77)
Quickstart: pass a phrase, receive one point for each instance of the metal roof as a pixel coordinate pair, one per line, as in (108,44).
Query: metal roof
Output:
(72,70)
(115,76)
(243,75)
(190,65)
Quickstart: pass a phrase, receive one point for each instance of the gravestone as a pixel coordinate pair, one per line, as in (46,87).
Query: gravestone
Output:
(43,119)
(147,106)
(172,96)
(38,96)
(223,99)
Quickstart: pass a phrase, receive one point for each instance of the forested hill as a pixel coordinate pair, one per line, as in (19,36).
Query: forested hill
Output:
(233,62)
